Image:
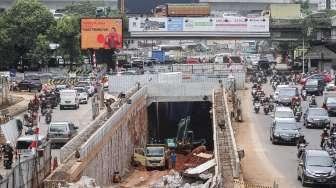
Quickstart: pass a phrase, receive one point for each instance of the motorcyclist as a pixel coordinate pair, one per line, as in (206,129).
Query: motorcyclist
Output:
(301,140)
(294,101)
(324,135)
(8,150)
(312,101)
(333,129)
(297,108)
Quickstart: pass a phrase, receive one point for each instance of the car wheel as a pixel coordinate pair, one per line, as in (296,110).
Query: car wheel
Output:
(273,142)
(303,182)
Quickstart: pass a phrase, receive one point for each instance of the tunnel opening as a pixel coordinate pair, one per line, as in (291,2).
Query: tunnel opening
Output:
(164,120)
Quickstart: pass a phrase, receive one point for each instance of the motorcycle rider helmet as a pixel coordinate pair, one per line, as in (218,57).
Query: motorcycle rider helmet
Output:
(325,130)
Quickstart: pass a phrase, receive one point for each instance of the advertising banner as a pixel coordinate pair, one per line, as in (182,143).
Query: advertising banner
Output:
(175,24)
(237,24)
(258,25)
(101,33)
(198,24)
(147,24)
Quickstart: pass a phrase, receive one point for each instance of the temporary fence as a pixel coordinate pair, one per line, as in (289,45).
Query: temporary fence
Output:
(29,172)
(4,90)
(122,83)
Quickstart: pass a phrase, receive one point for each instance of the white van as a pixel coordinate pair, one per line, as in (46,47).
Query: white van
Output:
(69,98)
(23,144)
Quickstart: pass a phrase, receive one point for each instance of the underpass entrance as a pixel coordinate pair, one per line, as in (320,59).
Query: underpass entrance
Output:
(165,118)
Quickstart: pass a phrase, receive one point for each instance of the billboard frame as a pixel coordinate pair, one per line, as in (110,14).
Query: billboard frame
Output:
(80,28)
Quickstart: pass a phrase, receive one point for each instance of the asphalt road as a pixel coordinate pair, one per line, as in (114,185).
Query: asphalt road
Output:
(80,117)
(283,157)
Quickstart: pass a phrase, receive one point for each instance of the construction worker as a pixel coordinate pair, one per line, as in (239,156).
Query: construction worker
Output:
(172,159)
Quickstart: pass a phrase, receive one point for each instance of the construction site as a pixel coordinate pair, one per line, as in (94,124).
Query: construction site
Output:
(162,114)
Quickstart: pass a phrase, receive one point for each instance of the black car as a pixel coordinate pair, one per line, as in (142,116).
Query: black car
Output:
(32,84)
(286,94)
(285,132)
(331,105)
(316,167)
(314,86)
(316,118)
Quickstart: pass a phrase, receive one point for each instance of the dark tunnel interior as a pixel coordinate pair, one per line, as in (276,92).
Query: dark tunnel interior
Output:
(163,118)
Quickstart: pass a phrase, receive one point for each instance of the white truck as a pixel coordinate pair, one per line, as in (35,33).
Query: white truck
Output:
(69,98)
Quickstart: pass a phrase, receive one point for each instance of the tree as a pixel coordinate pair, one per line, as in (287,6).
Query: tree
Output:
(80,9)
(22,24)
(305,8)
(67,35)
(40,53)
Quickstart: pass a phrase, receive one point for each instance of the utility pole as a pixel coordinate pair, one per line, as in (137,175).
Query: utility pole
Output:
(122,6)
(303,56)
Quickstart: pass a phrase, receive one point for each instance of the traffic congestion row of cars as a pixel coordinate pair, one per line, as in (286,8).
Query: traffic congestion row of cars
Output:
(315,166)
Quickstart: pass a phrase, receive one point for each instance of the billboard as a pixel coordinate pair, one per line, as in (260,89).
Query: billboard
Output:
(175,24)
(97,33)
(200,24)
(147,24)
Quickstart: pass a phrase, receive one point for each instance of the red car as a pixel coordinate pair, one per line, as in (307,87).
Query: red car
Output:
(192,61)
(326,77)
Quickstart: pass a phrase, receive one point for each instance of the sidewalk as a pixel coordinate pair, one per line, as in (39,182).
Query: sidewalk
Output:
(21,106)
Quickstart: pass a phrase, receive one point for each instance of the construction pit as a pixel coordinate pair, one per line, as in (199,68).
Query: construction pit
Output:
(151,113)
(170,124)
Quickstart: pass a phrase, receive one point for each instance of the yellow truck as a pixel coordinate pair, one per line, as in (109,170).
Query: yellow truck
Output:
(151,156)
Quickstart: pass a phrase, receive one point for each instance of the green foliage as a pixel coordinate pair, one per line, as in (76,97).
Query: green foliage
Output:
(81,9)
(67,35)
(305,9)
(20,27)
(40,53)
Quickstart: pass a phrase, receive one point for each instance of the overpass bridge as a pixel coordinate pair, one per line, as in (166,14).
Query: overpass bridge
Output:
(110,147)
(200,27)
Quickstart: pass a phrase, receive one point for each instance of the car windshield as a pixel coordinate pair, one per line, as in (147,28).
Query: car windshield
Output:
(80,90)
(323,161)
(287,92)
(154,151)
(331,100)
(317,112)
(58,127)
(312,82)
(284,114)
(286,126)
(24,144)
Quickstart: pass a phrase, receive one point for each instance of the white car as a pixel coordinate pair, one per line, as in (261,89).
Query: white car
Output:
(89,88)
(283,113)
(82,95)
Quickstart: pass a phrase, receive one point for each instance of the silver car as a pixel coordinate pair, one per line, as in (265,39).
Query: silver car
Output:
(61,132)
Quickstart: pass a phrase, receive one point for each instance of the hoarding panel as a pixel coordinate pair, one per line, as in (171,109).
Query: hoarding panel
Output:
(175,24)
(198,24)
(101,33)
(147,24)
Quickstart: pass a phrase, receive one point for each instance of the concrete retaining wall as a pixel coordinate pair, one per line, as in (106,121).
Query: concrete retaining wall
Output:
(116,139)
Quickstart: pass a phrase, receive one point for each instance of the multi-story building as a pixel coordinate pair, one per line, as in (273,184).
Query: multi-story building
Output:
(247,6)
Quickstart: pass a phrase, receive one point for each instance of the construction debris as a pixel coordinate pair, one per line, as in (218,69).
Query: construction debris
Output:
(204,155)
(200,169)
(174,180)
(84,182)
